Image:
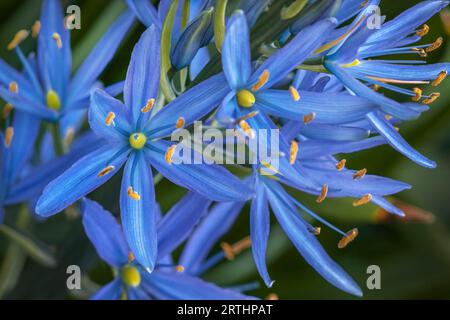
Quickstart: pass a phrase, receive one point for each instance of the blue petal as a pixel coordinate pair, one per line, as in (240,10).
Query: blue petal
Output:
(236,57)
(80,179)
(105,233)
(145,12)
(137,294)
(9,74)
(397,142)
(111,291)
(138,215)
(115,89)
(386,205)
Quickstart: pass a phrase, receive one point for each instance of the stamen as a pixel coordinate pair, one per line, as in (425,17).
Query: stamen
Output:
(421,52)
(70,135)
(359,174)
(9,136)
(294,93)
(231,251)
(375,87)
(418,94)
(424,31)
(262,80)
(13,87)
(293,152)
(316,231)
(179,268)
(433,97)
(362,201)
(248,116)
(110,118)
(388,80)
(35,29)
(57,39)
(435,45)
(271,296)
(441,77)
(323,194)
(133,194)
(245,99)
(18,38)
(131,257)
(341,165)
(349,237)
(7,110)
(148,106)
(388,117)
(247,129)
(180,123)
(131,276)
(169,153)
(309,117)
(105,171)
(354,63)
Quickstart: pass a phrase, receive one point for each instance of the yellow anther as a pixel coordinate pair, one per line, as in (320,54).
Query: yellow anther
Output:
(105,171)
(375,87)
(262,80)
(294,93)
(309,117)
(133,194)
(388,117)
(13,87)
(245,99)
(110,118)
(433,97)
(363,200)
(69,136)
(341,165)
(418,94)
(293,152)
(53,101)
(435,45)
(271,296)
(423,31)
(18,38)
(269,166)
(7,110)
(248,116)
(323,194)
(131,257)
(35,29)
(57,39)
(359,174)
(247,129)
(231,251)
(354,63)
(9,136)
(148,106)
(169,153)
(316,231)
(421,52)
(137,140)
(441,77)
(179,268)
(180,123)
(349,237)
(131,276)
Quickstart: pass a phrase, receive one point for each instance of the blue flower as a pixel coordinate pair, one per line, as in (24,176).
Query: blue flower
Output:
(47,89)
(133,136)
(167,281)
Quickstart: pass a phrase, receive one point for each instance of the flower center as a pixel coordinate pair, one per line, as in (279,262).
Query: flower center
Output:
(53,101)
(131,276)
(245,98)
(137,140)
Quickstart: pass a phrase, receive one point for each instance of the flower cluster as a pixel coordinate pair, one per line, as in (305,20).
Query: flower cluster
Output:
(319,82)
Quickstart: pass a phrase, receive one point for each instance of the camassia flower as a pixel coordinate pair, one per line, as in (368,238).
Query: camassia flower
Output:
(167,281)
(133,137)
(47,89)
(353,59)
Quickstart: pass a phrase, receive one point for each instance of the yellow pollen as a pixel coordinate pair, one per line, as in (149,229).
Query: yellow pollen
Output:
(354,63)
(18,38)
(262,80)
(169,153)
(105,171)
(271,296)
(131,276)
(133,194)
(70,135)
(362,201)
(309,117)
(294,93)
(130,257)
(323,194)
(57,39)
(9,136)
(359,174)
(421,52)
(341,165)
(441,77)
(388,117)
(247,129)
(148,106)
(110,118)
(316,231)
(179,268)
(53,101)
(349,237)
(293,152)
(13,87)
(231,251)
(35,29)
(376,87)
(137,140)
(248,116)
(435,45)
(424,31)
(7,110)
(418,94)
(433,97)
(245,99)
(180,123)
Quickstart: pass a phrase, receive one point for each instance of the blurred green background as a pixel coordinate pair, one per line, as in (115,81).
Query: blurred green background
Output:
(414,257)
